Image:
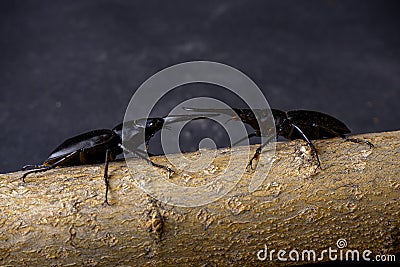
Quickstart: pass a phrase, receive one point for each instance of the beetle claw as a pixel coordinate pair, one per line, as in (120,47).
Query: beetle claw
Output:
(105,202)
(370,144)
(250,164)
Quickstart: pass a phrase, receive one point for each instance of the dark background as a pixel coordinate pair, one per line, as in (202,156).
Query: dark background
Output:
(67,67)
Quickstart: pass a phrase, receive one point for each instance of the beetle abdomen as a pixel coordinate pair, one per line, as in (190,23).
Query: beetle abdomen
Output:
(317,125)
(89,147)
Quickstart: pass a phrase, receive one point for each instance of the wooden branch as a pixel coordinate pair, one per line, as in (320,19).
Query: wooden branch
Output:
(57,217)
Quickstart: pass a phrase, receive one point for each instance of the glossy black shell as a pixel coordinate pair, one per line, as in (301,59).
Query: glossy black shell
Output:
(315,125)
(92,147)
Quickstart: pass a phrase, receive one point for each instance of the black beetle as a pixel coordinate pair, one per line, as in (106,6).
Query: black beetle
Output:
(102,146)
(294,124)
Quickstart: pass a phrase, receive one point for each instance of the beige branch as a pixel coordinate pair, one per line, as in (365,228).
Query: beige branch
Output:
(57,217)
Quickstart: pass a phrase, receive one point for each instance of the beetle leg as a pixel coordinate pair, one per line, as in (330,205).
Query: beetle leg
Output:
(308,142)
(354,140)
(147,149)
(255,156)
(39,169)
(43,168)
(258,153)
(170,171)
(137,153)
(107,160)
(31,166)
(360,141)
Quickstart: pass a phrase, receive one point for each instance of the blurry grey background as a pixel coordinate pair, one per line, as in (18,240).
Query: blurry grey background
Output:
(67,67)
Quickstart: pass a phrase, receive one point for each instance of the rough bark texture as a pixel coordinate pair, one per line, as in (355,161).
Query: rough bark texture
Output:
(57,217)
